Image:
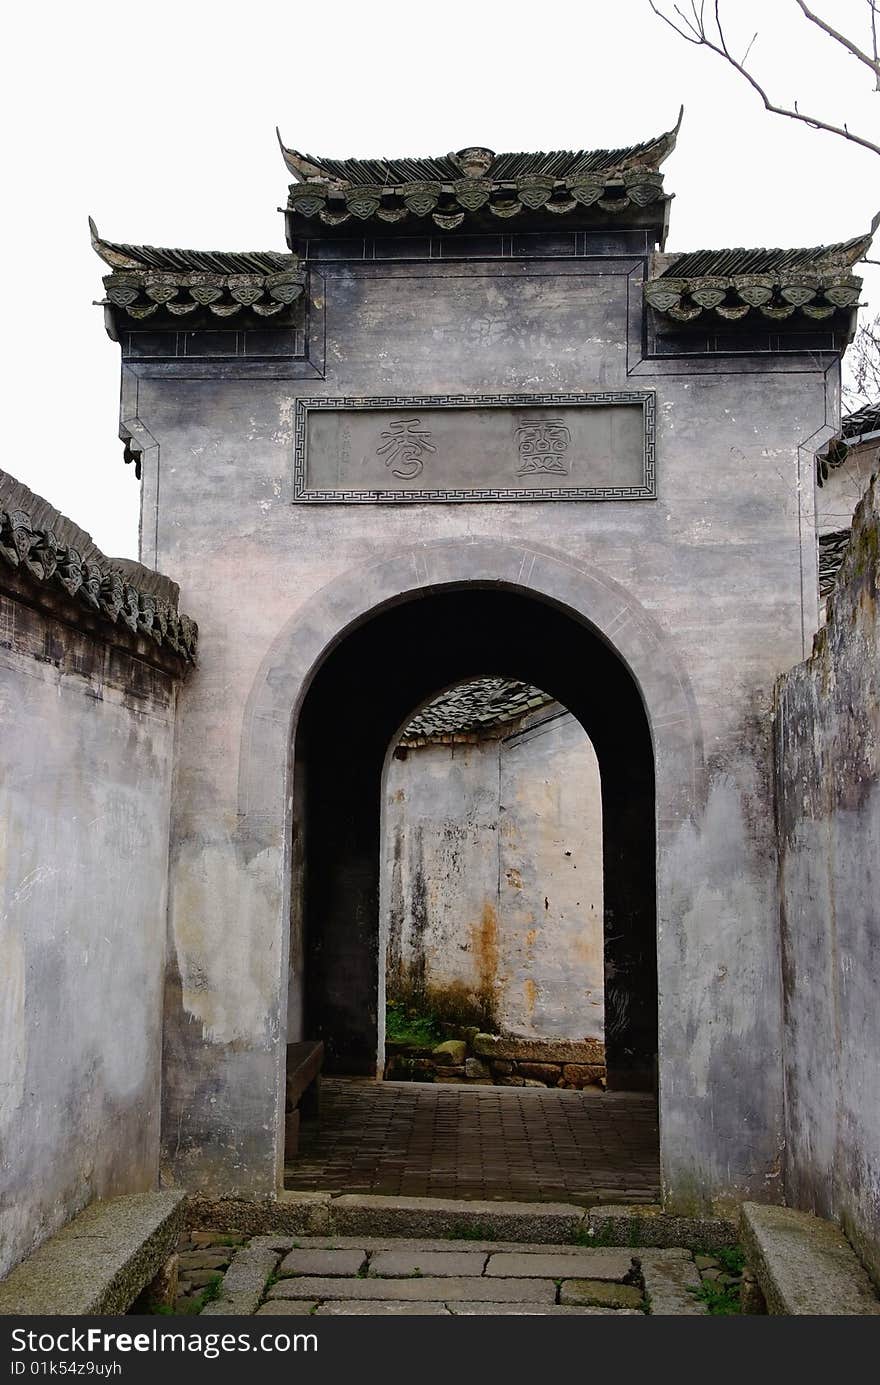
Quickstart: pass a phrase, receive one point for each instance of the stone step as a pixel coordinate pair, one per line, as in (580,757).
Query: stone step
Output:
(316,1214)
(804,1265)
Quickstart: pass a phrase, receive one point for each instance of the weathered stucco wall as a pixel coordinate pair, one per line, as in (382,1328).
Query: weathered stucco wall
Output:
(708,592)
(844,486)
(84,812)
(492,878)
(828,768)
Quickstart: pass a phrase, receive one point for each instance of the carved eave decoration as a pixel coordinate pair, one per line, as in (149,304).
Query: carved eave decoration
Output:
(775,284)
(47,551)
(474,185)
(156,285)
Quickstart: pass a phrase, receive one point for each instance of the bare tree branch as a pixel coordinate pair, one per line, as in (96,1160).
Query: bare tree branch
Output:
(861,384)
(842,39)
(693,28)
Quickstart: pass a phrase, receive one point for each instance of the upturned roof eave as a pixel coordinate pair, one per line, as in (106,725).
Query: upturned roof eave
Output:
(506,167)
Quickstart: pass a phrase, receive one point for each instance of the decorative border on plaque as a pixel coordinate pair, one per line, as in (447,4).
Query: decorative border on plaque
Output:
(302,493)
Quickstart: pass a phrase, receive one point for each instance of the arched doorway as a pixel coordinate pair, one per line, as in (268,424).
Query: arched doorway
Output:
(364,690)
(491,893)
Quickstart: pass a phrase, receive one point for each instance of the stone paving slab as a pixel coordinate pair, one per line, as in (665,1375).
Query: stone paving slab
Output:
(338,1274)
(446,1243)
(425,1289)
(243,1283)
(566,1264)
(374,1243)
(669,1279)
(598,1293)
(323,1262)
(471,1310)
(377,1306)
(394,1263)
(287,1308)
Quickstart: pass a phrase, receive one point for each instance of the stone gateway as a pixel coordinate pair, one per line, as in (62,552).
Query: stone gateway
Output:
(475,422)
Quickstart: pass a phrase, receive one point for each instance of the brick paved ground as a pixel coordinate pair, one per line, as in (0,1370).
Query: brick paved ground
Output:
(515,1143)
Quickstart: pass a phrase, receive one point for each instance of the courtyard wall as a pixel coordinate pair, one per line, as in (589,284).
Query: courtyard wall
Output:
(87,710)
(828,771)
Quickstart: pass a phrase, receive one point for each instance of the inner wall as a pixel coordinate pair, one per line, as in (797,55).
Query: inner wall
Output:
(359,699)
(491,884)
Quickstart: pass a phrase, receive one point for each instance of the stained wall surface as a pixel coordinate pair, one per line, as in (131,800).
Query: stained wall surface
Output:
(84,816)
(708,592)
(492,877)
(828,768)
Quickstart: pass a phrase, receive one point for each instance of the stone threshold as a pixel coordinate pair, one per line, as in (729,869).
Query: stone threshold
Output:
(537,1223)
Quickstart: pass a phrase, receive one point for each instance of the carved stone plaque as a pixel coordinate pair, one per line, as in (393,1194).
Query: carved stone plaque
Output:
(395,450)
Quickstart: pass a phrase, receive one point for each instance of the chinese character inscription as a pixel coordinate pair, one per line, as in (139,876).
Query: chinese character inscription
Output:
(405,443)
(542,448)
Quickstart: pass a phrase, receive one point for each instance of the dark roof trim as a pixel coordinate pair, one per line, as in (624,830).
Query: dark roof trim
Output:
(47,549)
(776,284)
(149,282)
(123,256)
(728,263)
(480,163)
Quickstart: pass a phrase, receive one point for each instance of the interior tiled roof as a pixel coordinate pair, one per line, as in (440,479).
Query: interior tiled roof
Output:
(475,708)
(864,420)
(831,550)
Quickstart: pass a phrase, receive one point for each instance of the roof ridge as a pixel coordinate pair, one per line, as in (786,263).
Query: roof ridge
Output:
(489,165)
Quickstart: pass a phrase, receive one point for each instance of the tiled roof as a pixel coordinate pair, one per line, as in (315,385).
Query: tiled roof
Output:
(148,281)
(475,185)
(777,262)
(474,708)
(50,550)
(816,282)
(832,547)
(478,162)
(861,421)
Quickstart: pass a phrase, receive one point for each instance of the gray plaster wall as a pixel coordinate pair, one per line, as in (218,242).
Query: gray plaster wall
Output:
(828,767)
(85,795)
(708,593)
(844,486)
(492,877)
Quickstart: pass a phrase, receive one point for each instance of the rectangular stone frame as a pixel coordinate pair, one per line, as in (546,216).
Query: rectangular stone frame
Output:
(303,495)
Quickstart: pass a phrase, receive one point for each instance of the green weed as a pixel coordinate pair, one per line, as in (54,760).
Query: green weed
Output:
(405,1025)
(721,1300)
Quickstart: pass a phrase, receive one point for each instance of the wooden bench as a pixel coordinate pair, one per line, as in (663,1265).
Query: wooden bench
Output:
(100,1261)
(303,1091)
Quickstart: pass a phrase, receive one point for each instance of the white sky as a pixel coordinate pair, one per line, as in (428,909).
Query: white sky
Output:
(159,119)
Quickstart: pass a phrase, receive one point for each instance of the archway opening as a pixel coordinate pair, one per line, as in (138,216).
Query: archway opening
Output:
(491,917)
(363,695)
